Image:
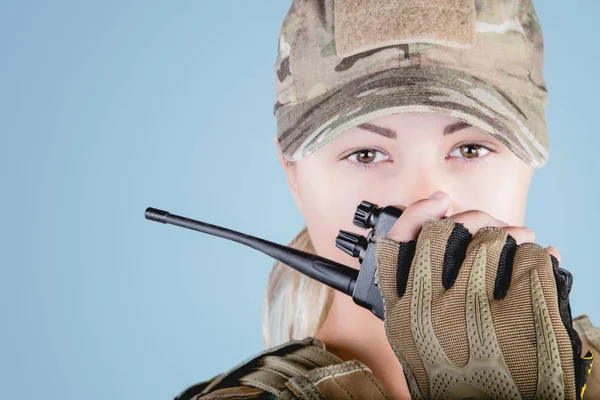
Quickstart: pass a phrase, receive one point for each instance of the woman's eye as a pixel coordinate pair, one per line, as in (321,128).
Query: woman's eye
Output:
(363,157)
(470,150)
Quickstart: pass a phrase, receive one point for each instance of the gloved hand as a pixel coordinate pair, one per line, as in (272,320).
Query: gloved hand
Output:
(478,316)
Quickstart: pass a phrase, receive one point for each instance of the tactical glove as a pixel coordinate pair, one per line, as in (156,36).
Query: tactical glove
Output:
(478,316)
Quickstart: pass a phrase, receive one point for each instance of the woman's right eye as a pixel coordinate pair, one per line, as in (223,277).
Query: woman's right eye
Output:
(366,157)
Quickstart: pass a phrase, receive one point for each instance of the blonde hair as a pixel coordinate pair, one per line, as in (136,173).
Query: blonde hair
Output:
(295,305)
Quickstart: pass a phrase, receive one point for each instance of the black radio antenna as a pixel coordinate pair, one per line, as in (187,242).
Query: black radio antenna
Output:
(331,273)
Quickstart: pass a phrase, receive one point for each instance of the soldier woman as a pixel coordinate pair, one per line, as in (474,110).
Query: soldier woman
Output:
(436,108)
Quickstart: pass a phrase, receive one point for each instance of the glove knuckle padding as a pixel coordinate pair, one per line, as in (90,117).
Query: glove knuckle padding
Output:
(465,339)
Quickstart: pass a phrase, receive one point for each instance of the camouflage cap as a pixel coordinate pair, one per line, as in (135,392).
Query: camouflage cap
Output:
(342,63)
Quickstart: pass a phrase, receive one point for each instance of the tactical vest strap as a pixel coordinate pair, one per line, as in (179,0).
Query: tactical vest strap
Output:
(349,380)
(312,373)
(272,368)
(298,369)
(274,372)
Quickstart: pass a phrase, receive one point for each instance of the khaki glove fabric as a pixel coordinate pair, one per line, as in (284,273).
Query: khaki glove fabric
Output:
(476,316)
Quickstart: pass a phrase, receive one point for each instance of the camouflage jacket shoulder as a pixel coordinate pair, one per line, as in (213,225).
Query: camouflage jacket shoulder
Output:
(590,340)
(304,369)
(298,369)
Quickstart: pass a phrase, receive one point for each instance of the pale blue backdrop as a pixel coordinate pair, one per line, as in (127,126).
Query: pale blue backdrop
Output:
(109,107)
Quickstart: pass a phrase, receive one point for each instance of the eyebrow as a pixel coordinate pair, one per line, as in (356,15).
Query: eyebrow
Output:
(389,133)
(457,126)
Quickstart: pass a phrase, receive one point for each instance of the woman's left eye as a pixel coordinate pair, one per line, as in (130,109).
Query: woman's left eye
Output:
(470,151)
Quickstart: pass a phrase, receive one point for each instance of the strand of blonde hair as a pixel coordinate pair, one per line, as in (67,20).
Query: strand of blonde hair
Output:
(295,305)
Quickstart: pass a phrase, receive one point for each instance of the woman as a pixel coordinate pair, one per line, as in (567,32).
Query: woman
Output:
(447,102)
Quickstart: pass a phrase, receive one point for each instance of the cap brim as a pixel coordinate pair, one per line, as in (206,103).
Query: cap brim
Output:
(516,121)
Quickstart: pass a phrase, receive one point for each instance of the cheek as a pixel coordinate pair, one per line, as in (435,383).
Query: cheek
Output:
(328,204)
(500,192)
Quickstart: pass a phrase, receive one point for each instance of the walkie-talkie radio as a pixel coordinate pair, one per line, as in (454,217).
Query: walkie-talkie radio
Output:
(380,221)
(361,284)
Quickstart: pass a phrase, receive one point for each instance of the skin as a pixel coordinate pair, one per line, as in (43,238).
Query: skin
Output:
(481,183)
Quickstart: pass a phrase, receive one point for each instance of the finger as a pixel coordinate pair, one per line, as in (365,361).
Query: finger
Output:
(409,224)
(474,220)
(534,277)
(554,251)
(522,234)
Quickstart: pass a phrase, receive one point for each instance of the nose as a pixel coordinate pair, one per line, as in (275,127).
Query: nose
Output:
(421,186)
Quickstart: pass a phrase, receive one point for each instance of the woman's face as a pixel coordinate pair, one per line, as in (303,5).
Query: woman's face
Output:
(412,156)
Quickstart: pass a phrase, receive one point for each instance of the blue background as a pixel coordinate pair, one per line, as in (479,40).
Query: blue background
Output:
(109,107)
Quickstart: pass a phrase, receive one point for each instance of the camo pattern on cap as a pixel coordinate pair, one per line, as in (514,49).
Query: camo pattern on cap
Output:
(495,83)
